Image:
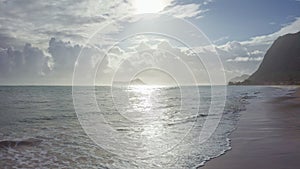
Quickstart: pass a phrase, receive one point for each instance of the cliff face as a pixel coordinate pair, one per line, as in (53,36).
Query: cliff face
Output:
(239,78)
(281,64)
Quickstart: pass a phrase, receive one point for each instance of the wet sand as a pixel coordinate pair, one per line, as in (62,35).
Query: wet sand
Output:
(267,136)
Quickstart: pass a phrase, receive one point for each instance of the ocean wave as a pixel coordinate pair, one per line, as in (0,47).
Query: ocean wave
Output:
(20,143)
(47,118)
(186,120)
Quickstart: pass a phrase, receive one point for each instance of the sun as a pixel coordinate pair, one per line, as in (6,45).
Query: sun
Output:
(149,6)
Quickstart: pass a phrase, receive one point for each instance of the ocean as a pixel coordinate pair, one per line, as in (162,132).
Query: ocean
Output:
(135,127)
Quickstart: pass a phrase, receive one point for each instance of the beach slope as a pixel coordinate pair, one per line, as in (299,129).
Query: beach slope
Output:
(267,136)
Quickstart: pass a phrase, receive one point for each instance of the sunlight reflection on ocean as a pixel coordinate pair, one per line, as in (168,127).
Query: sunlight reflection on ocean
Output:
(154,127)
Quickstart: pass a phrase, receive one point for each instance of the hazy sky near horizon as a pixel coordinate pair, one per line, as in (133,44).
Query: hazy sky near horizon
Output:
(41,40)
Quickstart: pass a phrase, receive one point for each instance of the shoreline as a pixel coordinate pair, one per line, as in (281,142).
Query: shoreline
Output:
(266,136)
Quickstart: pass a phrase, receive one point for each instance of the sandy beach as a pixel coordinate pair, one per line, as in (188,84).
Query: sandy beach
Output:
(267,136)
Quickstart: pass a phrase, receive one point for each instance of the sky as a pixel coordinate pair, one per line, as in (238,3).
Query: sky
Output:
(241,20)
(106,42)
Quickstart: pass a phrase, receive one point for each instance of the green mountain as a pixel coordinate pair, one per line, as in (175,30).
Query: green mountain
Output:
(281,63)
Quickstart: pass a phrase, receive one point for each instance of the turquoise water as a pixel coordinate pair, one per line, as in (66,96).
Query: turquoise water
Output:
(148,127)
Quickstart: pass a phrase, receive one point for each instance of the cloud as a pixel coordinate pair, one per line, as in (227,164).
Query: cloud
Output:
(145,6)
(124,64)
(33,65)
(244,57)
(185,11)
(64,55)
(257,52)
(221,40)
(71,23)
(35,21)
(293,27)
(239,59)
(234,48)
(207,2)
(72,20)
(25,65)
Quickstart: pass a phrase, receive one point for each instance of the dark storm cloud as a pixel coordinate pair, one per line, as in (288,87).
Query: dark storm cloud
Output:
(32,65)
(64,55)
(30,62)
(6,41)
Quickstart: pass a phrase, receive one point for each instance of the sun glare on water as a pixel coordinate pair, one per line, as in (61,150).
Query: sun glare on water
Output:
(149,6)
